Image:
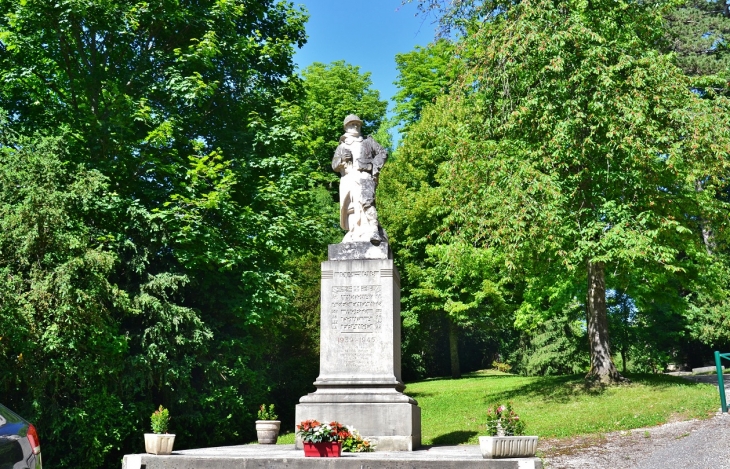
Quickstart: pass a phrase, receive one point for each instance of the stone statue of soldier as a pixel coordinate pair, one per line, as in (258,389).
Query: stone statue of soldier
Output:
(359,161)
(359,378)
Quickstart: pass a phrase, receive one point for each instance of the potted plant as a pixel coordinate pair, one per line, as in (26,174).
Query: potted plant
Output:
(331,439)
(322,439)
(267,426)
(506,431)
(159,441)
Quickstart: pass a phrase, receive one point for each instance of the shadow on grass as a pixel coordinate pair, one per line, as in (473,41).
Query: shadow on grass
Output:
(418,395)
(562,389)
(659,381)
(458,437)
(559,389)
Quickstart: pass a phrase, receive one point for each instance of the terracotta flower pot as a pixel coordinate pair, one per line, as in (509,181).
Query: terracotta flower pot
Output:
(267,431)
(330,449)
(158,443)
(507,446)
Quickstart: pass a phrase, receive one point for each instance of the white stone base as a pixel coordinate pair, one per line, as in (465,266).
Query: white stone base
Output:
(286,457)
(359,382)
(389,426)
(508,446)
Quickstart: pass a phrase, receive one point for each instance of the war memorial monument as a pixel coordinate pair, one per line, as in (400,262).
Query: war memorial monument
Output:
(359,381)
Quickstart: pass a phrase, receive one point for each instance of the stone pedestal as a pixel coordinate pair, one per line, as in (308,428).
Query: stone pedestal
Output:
(359,381)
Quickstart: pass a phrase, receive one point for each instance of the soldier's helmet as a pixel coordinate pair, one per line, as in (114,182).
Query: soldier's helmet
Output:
(351,118)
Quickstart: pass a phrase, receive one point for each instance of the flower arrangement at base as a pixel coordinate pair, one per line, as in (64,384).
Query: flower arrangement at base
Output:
(321,439)
(311,431)
(326,439)
(355,443)
(503,421)
(506,439)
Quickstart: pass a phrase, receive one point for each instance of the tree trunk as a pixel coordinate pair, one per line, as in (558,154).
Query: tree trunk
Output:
(602,367)
(454,349)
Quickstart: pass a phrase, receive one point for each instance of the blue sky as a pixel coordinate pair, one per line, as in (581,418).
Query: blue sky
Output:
(367,33)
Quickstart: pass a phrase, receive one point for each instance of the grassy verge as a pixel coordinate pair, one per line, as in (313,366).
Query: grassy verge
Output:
(453,411)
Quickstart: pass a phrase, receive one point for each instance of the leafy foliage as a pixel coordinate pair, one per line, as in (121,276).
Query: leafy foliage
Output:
(160,420)
(423,75)
(698,32)
(559,346)
(171,203)
(63,350)
(267,413)
(581,145)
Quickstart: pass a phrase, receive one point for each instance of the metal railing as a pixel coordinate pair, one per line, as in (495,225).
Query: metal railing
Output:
(720,379)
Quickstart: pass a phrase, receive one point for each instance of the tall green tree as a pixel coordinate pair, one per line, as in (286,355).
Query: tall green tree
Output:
(424,74)
(65,355)
(443,283)
(578,152)
(171,117)
(445,280)
(558,346)
(698,33)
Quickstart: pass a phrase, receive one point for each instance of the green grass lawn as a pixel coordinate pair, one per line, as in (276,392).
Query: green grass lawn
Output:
(453,411)
(286,438)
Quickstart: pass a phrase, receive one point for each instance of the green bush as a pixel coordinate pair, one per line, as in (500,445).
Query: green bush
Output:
(503,367)
(160,420)
(267,414)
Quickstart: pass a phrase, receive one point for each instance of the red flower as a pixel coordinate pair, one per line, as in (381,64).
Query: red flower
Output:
(308,425)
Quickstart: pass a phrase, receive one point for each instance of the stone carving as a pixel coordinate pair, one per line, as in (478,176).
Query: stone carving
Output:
(359,161)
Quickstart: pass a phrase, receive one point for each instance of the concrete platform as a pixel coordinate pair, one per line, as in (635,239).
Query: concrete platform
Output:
(285,456)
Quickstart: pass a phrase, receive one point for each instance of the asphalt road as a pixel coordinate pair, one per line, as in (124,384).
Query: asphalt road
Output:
(706,447)
(693,444)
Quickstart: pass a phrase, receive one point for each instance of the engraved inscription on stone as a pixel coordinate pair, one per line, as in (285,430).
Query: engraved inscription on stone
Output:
(357,309)
(356,350)
(356,315)
(357,274)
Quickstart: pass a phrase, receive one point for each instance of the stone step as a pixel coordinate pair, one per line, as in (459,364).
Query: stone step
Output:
(285,456)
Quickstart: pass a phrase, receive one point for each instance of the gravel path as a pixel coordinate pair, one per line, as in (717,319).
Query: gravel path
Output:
(693,444)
